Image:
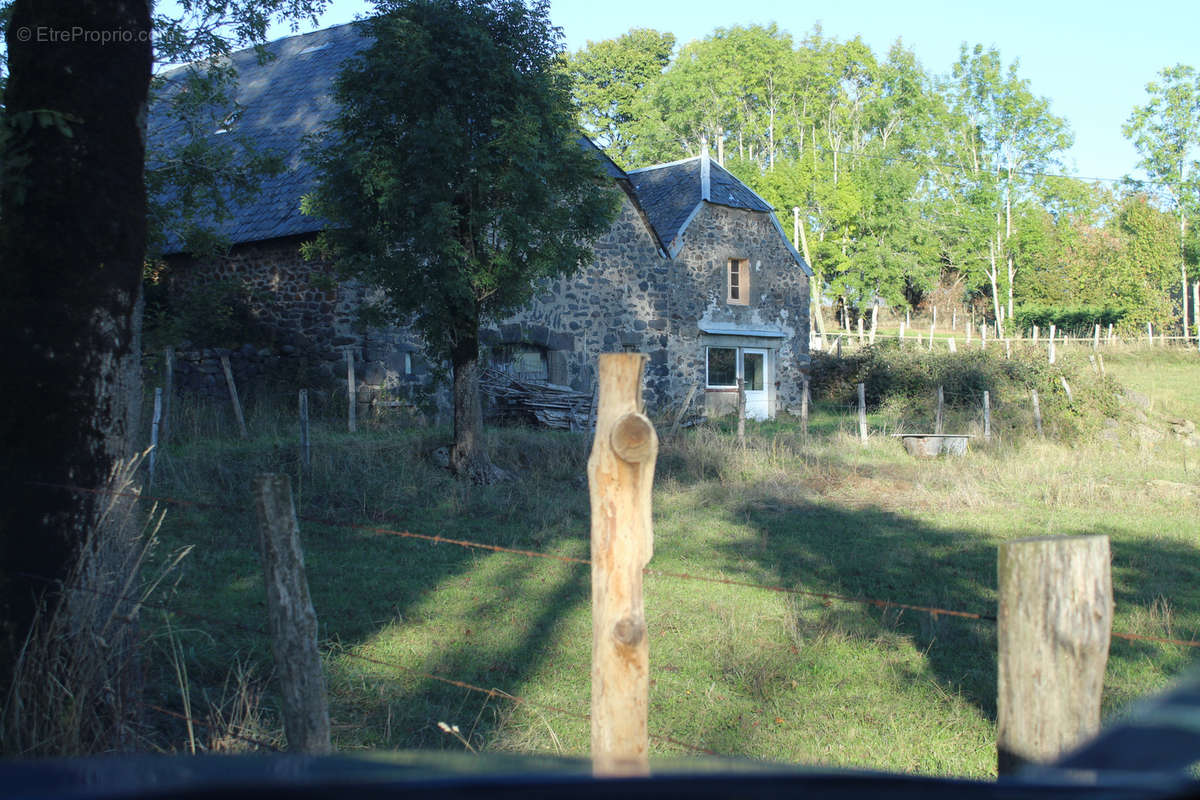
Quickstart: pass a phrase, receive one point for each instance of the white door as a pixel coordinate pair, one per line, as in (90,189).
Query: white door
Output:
(754,375)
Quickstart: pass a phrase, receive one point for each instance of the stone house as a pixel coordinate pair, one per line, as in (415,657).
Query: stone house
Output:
(695,271)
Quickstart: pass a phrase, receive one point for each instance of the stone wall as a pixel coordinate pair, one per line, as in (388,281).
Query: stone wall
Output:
(631,298)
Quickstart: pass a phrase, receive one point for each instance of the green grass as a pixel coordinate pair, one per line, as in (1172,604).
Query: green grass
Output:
(741,671)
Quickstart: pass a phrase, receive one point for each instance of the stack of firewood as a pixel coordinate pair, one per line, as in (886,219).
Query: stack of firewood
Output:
(538,402)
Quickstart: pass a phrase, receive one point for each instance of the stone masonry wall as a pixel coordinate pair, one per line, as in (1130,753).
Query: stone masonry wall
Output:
(630,298)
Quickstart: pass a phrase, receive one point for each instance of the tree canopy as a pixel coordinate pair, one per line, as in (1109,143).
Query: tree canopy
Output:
(455,175)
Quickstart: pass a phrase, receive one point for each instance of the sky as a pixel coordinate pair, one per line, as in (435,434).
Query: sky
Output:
(1091,63)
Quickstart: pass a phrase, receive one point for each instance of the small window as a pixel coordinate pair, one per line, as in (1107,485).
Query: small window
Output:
(722,367)
(739,282)
(522,361)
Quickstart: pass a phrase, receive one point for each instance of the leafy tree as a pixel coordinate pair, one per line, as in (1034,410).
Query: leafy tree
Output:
(608,77)
(72,236)
(454,177)
(1004,138)
(1166,132)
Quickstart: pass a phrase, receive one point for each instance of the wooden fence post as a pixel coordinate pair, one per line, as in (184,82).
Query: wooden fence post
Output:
(293,620)
(1051,351)
(987,414)
(233,395)
(938,419)
(1067,388)
(741,412)
(931,336)
(862,412)
(1035,334)
(620,477)
(1096,337)
(1037,412)
(804,401)
(154,428)
(1150,333)
(687,403)
(164,428)
(953,347)
(983,337)
(305,450)
(351,392)
(900,336)
(1100,360)
(1054,626)
(1110,333)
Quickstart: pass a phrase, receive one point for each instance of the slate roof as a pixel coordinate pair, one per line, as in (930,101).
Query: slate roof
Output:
(282,101)
(290,96)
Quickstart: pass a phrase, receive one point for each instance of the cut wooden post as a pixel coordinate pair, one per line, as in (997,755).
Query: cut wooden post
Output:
(987,414)
(164,428)
(233,395)
(154,423)
(1054,626)
(983,337)
(862,413)
(620,478)
(1150,333)
(741,412)
(687,403)
(900,335)
(1096,337)
(951,344)
(1037,412)
(805,399)
(839,346)
(1035,334)
(1067,388)
(1110,333)
(1051,351)
(938,419)
(1100,360)
(305,451)
(293,620)
(1008,348)
(1095,366)
(351,392)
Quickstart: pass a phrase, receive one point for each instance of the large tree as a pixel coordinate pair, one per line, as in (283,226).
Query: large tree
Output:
(72,237)
(608,78)
(454,178)
(1166,133)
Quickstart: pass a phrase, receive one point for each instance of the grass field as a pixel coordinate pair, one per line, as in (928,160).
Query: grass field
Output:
(737,670)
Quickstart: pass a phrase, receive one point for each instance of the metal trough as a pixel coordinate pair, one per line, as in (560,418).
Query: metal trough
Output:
(931,445)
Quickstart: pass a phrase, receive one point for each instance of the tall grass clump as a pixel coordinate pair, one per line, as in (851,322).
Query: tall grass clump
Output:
(77,681)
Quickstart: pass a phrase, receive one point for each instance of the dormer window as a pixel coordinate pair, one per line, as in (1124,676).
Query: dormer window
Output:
(738,283)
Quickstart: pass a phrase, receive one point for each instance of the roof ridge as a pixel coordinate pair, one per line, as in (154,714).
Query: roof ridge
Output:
(662,166)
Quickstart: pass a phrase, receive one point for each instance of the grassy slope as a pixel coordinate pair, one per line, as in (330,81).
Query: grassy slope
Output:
(738,670)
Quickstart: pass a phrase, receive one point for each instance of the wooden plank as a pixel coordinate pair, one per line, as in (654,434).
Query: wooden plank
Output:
(687,402)
(305,450)
(233,396)
(620,478)
(351,392)
(1054,626)
(292,618)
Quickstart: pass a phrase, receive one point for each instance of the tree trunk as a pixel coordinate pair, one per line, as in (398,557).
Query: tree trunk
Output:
(72,241)
(468,458)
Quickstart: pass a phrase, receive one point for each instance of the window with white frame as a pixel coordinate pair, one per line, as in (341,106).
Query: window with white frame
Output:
(721,368)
